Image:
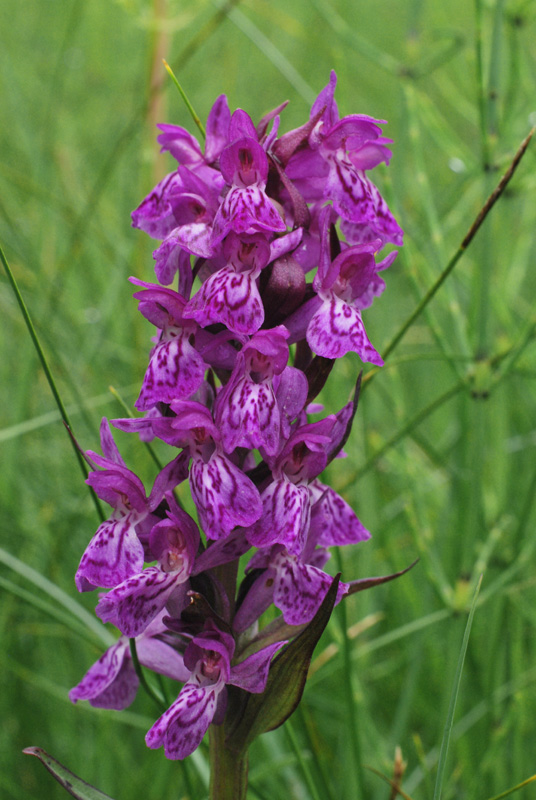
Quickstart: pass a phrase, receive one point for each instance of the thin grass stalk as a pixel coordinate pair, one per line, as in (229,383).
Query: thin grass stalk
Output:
(49,377)
(404,431)
(481,216)
(453,699)
(153,694)
(273,54)
(303,762)
(514,788)
(348,688)
(315,750)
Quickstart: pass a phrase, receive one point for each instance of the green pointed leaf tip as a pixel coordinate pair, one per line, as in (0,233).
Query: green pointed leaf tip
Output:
(286,681)
(70,782)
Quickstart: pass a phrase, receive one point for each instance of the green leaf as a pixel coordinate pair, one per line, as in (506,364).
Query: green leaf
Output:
(286,681)
(70,782)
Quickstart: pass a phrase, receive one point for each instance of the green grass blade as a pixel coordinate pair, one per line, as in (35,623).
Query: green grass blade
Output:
(61,597)
(48,609)
(453,698)
(273,54)
(72,784)
(189,106)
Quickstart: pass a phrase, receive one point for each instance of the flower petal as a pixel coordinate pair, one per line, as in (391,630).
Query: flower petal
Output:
(175,371)
(181,728)
(133,604)
(231,298)
(337,328)
(111,682)
(224,496)
(114,554)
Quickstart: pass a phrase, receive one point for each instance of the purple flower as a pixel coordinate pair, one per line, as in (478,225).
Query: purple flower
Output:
(203,698)
(185,149)
(231,295)
(135,602)
(176,369)
(286,501)
(333,166)
(116,551)
(295,587)
(244,165)
(112,681)
(247,411)
(224,496)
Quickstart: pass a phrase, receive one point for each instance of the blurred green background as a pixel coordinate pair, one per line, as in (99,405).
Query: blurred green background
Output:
(441,461)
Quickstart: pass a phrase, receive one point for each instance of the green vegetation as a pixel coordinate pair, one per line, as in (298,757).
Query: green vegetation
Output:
(441,461)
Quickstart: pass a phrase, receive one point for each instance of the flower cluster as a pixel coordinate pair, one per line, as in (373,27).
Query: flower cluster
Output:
(242,224)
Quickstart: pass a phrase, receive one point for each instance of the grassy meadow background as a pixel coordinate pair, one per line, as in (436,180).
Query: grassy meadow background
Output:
(441,463)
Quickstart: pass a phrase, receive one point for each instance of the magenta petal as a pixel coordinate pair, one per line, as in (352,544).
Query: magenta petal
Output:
(109,447)
(285,516)
(300,588)
(258,599)
(349,190)
(244,209)
(252,673)
(228,549)
(182,727)
(250,417)
(336,329)
(175,371)
(231,298)
(133,604)
(160,657)
(333,522)
(114,554)
(111,682)
(217,128)
(224,496)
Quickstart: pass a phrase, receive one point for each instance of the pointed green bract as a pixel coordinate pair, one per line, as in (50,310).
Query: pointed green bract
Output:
(286,681)
(70,782)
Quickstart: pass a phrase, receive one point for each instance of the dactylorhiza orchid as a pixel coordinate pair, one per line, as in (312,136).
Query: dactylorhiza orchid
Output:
(273,244)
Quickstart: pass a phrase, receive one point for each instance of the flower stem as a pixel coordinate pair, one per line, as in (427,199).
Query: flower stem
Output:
(228,769)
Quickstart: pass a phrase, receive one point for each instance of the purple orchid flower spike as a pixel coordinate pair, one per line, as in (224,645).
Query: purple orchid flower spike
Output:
(247,412)
(116,551)
(112,681)
(134,603)
(231,296)
(203,698)
(176,369)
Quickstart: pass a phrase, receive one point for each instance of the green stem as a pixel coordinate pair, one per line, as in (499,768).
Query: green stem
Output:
(481,216)
(48,373)
(228,769)
(158,699)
